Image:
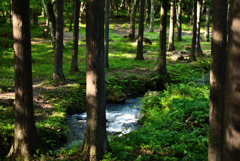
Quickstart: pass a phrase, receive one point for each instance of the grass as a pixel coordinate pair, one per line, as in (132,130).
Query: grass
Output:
(173,121)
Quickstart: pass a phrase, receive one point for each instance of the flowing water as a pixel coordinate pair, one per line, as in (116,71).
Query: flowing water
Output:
(120,118)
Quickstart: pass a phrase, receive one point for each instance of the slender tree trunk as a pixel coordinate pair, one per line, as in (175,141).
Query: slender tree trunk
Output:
(74,64)
(128,7)
(206,37)
(217,80)
(146,13)
(179,21)
(161,67)
(171,30)
(198,46)
(139,55)
(192,19)
(188,13)
(132,20)
(152,17)
(95,142)
(71,18)
(58,60)
(26,140)
(82,8)
(106,34)
(231,148)
(192,53)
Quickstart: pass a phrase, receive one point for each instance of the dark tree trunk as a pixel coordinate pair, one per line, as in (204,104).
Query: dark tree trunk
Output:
(132,20)
(192,53)
(58,60)
(74,64)
(198,46)
(179,21)
(157,9)
(26,140)
(217,80)
(106,34)
(192,19)
(95,142)
(71,17)
(171,29)
(189,11)
(206,36)
(161,67)
(231,148)
(139,55)
(111,7)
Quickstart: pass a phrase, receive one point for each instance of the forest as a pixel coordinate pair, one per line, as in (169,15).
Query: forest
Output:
(119,80)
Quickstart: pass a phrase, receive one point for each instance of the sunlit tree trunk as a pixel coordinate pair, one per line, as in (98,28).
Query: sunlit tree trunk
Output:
(128,7)
(95,142)
(192,53)
(82,8)
(217,80)
(161,67)
(132,20)
(206,36)
(179,21)
(231,148)
(139,55)
(152,17)
(106,34)
(74,64)
(58,60)
(171,29)
(198,46)
(26,140)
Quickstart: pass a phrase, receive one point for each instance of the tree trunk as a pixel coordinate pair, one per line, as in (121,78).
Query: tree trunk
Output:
(132,20)
(82,8)
(161,67)
(152,17)
(217,80)
(111,7)
(74,64)
(106,34)
(206,36)
(58,60)
(192,19)
(157,9)
(171,30)
(95,142)
(188,13)
(231,148)
(128,7)
(26,140)
(139,55)
(179,21)
(71,17)
(192,53)
(198,46)
(48,8)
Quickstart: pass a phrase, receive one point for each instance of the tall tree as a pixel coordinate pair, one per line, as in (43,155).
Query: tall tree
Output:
(179,21)
(231,148)
(139,55)
(161,67)
(217,80)
(192,53)
(95,142)
(199,15)
(206,35)
(152,17)
(26,140)
(106,34)
(171,29)
(132,20)
(74,64)
(58,60)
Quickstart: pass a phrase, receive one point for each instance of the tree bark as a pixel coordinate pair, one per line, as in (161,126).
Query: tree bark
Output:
(179,21)
(106,34)
(139,55)
(217,80)
(231,148)
(26,140)
(152,17)
(199,15)
(128,7)
(95,142)
(82,8)
(161,67)
(206,36)
(132,20)
(74,64)
(192,53)
(171,30)
(58,60)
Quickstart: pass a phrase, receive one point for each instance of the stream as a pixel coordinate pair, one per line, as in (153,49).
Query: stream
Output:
(120,118)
